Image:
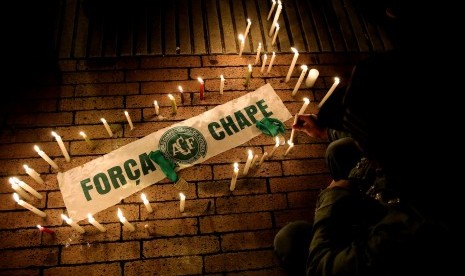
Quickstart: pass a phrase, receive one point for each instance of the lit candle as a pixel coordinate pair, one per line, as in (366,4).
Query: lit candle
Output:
(62,146)
(88,141)
(301,78)
(265,57)
(234,178)
(221,84)
(18,189)
(273,42)
(125,221)
(273,56)
(242,40)
(249,22)
(294,60)
(129,119)
(259,50)
(107,127)
(32,173)
(45,230)
(330,91)
(276,16)
(71,223)
(262,159)
(95,223)
(146,203)
(182,94)
(249,161)
(311,78)
(291,139)
(202,88)
(275,147)
(182,202)
(28,188)
(291,145)
(28,206)
(45,157)
(249,73)
(271,10)
(173,104)
(157,108)
(304,106)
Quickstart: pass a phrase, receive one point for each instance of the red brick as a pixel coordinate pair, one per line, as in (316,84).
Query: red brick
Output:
(20,238)
(239,261)
(110,215)
(49,119)
(275,271)
(300,167)
(165,266)
(166,62)
(35,105)
(75,162)
(55,200)
(284,217)
(165,87)
(267,169)
(23,258)
(104,252)
(67,65)
(237,154)
(242,204)
(302,199)
(228,72)
(111,116)
(160,192)
(91,103)
(170,209)
(299,183)
(101,146)
(181,246)
(234,222)
(162,228)
(20,272)
(26,219)
(196,173)
(108,64)
(247,240)
(107,89)
(67,235)
(91,270)
(227,60)
(286,59)
(156,75)
(146,128)
(221,188)
(92,77)
(183,113)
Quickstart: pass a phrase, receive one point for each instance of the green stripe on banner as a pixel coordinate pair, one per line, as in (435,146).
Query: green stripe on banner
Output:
(105,181)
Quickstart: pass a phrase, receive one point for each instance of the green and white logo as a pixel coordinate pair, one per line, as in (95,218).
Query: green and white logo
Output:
(183,145)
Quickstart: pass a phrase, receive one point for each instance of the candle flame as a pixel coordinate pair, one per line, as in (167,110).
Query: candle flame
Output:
(171,97)
(36,148)
(82,134)
(336,80)
(249,21)
(54,134)
(306,100)
(126,113)
(277,27)
(120,214)
(16,197)
(250,67)
(90,217)
(26,167)
(221,77)
(182,196)
(279,2)
(144,198)
(274,54)
(250,153)
(200,79)
(103,120)
(289,142)
(277,141)
(39,226)
(180,88)
(236,167)
(12,180)
(294,50)
(65,218)
(155,103)
(304,67)
(241,37)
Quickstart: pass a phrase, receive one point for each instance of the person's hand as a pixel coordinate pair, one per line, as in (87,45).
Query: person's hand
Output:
(308,124)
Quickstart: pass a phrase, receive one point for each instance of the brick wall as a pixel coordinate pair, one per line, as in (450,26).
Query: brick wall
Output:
(221,232)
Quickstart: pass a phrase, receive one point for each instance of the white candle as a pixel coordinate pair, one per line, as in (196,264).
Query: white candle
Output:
(262,159)
(254,160)
(304,106)
(248,75)
(265,57)
(273,56)
(28,206)
(291,139)
(249,22)
(129,119)
(259,50)
(26,187)
(62,146)
(107,127)
(311,78)
(146,203)
(32,173)
(173,104)
(275,147)
(273,42)
(330,91)
(301,78)
(248,162)
(221,84)
(291,145)
(125,221)
(242,40)
(88,141)
(157,108)
(234,178)
(294,60)
(271,10)
(95,223)
(18,189)
(181,92)
(182,202)
(71,223)
(45,157)
(276,16)
(45,230)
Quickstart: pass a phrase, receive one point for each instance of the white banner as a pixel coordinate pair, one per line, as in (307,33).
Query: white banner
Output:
(105,181)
